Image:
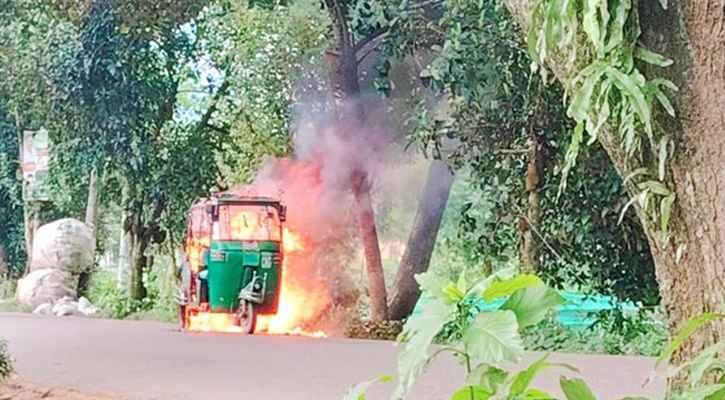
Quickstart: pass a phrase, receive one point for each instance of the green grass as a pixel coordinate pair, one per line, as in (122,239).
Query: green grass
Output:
(12,305)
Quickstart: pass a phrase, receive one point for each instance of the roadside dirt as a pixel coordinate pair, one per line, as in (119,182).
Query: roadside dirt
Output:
(17,389)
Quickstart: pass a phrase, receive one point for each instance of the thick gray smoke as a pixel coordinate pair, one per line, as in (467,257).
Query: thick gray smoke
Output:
(315,185)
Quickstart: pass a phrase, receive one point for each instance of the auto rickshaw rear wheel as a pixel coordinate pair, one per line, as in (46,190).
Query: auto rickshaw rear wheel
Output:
(246,316)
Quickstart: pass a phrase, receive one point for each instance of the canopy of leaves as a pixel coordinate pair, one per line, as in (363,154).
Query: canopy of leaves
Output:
(272,59)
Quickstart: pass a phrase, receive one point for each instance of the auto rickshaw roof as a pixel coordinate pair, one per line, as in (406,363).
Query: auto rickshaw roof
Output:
(234,199)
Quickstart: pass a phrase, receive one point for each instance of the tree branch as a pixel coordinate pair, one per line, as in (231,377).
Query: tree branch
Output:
(372,36)
(219,129)
(360,57)
(204,121)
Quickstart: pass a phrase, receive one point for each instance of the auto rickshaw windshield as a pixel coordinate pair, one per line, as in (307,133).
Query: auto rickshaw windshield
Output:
(249,222)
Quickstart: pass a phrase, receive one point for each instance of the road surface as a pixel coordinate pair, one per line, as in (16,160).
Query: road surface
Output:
(144,360)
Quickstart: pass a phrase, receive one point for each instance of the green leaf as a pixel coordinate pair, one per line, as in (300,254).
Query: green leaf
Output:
(507,287)
(488,377)
(663,3)
(479,288)
(418,333)
(536,394)
(703,361)
(603,109)
(666,211)
(357,392)
(523,379)
(653,86)
(533,34)
(641,197)
(701,392)
(462,285)
(655,187)
(580,104)
(630,88)
(571,154)
(692,325)
(453,293)
(665,102)
(616,30)
(664,82)
(531,304)
(651,57)
(591,22)
(434,286)
(471,393)
(720,394)
(576,389)
(635,172)
(493,337)
(662,157)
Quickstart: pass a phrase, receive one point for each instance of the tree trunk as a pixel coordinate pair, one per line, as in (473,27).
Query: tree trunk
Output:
(693,282)
(137,243)
(689,267)
(31,221)
(92,203)
(369,233)
(138,263)
(90,220)
(530,244)
(346,89)
(422,239)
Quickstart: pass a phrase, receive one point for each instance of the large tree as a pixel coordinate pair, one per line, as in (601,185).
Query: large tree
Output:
(116,118)
(685,227)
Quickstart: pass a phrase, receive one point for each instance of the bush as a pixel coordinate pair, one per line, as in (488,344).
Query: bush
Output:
(104,294)
(385,330)
(159,304)
(6,365)
(614,333)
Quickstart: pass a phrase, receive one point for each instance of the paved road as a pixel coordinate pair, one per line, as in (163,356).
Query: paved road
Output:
(143,360)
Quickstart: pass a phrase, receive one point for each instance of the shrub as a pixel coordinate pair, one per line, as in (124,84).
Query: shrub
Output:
(6,365)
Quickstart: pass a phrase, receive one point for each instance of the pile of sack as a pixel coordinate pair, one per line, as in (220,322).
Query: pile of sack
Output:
(62,250)
(67,306)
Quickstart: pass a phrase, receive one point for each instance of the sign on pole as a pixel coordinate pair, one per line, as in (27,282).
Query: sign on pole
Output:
(35,165)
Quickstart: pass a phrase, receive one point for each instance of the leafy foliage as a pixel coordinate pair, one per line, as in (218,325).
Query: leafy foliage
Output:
(492,106)
(6,365)
(158,305)
(690,327)
(12,236)
(609,87)
(613,333)
(482,342)
(697,388)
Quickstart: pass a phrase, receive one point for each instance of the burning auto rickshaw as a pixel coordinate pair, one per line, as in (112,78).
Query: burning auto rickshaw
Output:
(233,258)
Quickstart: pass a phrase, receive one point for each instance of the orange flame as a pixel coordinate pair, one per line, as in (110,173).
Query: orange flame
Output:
(252,224)
(212,322)
(297,304)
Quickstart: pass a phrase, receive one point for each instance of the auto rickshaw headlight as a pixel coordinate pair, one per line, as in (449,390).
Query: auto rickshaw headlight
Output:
(218,255)
(266,261)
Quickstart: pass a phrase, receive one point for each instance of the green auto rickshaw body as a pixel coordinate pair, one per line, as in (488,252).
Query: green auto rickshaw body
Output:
(232,267)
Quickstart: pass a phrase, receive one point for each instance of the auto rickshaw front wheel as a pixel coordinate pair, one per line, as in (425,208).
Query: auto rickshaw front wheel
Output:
(246,316)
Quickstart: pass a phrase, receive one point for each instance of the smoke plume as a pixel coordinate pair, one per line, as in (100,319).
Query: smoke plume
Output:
(314,183)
